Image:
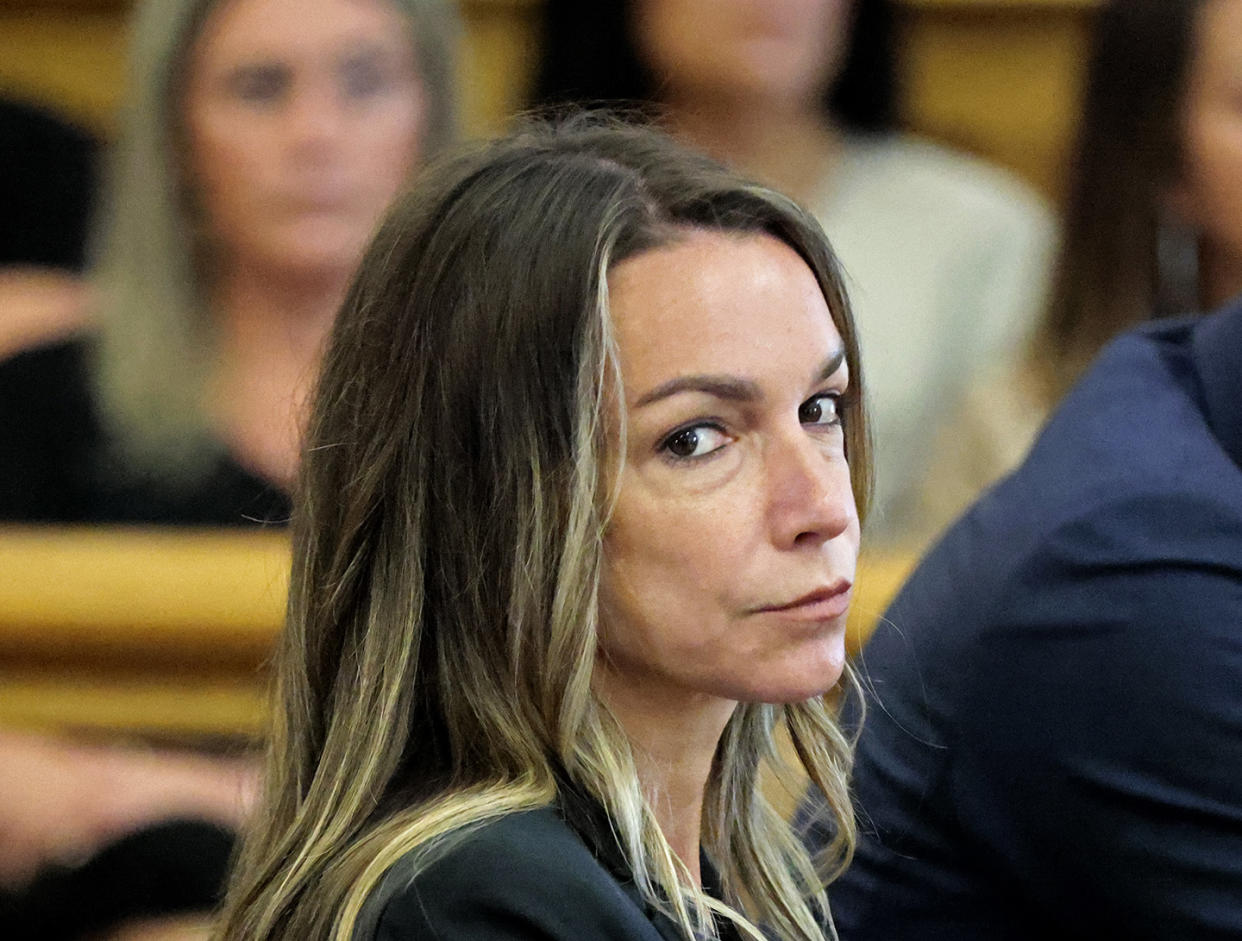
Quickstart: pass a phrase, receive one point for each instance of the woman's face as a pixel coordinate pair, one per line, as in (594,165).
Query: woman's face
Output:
(785,51)
(1211,191)
(731,552)
(302,119)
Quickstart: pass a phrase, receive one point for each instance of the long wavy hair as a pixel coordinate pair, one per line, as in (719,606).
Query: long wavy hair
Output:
(1128,156)
(435,669)
(155,344)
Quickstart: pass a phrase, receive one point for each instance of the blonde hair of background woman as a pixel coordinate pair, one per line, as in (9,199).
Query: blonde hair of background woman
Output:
(442,628)
(155,345)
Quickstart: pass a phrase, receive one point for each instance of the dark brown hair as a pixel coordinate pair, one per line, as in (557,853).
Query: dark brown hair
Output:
(1128,156)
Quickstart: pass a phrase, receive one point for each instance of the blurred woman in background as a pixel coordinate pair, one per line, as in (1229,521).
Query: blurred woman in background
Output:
(946,256)
(1153,225)
(261,143)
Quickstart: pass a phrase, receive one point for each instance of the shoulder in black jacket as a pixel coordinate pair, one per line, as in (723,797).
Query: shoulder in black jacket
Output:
(553,874)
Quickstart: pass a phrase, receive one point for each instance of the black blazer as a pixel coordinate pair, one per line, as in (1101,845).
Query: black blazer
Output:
(554,873)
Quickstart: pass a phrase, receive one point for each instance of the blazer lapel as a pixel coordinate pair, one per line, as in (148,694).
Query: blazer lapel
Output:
(591,822)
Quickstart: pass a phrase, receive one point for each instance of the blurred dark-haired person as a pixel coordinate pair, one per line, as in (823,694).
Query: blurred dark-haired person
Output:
(947,257)
(1152,227)
(261,142)
(1053,746)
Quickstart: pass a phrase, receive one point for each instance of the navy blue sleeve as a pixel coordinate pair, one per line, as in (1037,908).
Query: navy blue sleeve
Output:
(1100,750)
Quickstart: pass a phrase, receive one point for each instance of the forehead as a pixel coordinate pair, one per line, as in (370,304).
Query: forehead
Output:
(276,28)
(718,302)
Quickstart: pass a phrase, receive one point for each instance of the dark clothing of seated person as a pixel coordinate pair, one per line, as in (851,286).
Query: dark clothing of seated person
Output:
(46,188)
(163,870)
(554,873)
(1053,744)
(58,464)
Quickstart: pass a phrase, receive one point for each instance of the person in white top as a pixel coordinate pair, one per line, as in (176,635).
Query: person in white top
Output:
(946,257)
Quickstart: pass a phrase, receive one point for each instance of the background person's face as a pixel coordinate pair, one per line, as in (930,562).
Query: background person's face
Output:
(1210,194)
(785,51)
(302,120)
(734,499)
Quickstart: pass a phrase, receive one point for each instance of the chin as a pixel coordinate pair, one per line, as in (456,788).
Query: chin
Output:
(315,247)
(807,675)
(795,686)
(789,696)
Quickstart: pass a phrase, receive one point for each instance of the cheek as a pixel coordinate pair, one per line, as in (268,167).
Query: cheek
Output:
(667,580)
(217,191)
(229,164)
(223,146)
(389,143)
(1214,175)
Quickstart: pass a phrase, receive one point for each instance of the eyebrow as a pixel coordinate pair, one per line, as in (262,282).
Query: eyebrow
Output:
(730,388)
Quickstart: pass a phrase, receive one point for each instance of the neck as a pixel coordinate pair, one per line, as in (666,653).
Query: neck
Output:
(271,328)
(674,739)
(791,148)
(1220,277)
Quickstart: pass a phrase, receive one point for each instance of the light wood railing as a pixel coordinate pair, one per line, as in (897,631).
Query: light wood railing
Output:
(158,633)
(165,633)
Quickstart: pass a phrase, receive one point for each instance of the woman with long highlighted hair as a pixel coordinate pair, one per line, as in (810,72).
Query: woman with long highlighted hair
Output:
(574,545)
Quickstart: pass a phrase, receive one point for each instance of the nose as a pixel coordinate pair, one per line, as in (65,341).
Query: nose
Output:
(810,499)
(314,119)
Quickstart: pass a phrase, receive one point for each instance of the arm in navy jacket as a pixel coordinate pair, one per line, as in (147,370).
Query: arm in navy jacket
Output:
(1101,746)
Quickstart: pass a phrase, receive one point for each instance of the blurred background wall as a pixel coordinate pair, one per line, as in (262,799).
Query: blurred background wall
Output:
(999,78)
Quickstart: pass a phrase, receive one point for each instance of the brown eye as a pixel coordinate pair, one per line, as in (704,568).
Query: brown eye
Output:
(260,84)
(684,443)
(694,442)
(820,410)
(363,78)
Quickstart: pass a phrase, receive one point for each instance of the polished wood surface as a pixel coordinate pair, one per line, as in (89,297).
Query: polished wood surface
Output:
(1002,80)
(160,633)
(165,633)
(196,598)
(878,579)
(144,705)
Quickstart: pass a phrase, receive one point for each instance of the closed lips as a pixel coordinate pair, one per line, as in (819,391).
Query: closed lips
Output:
(837,591)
